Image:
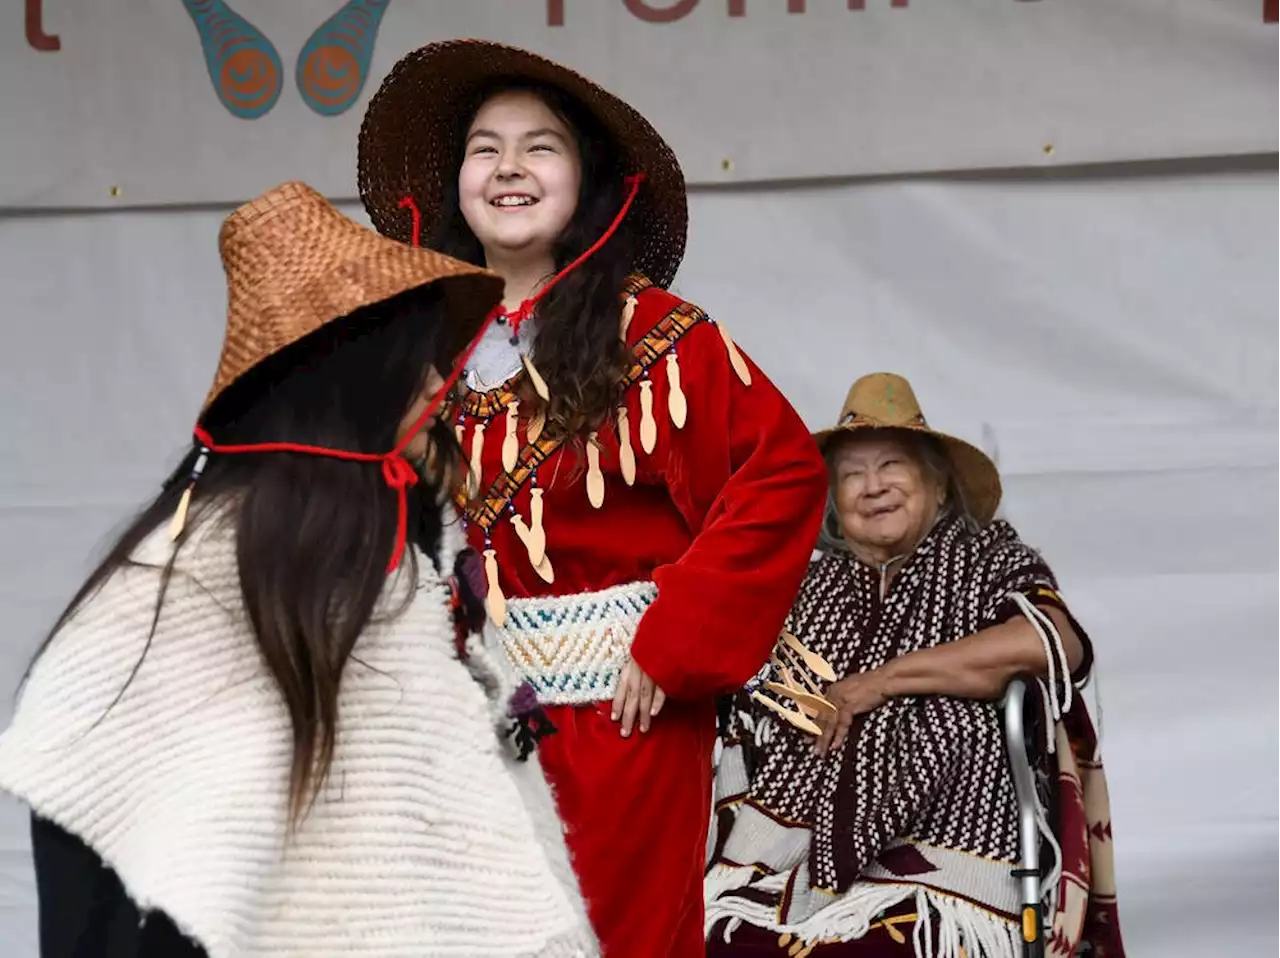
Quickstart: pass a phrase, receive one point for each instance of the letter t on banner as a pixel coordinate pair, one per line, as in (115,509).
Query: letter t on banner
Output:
(738,8)
(37,39)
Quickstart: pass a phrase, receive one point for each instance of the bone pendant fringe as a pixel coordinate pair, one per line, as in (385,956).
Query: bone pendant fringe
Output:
(628,313)
(626,454)
(538,542)
(179,521)
(595,477)
(816,663)
(535,377)
(545,571)
(495,600)
(525,535)
(477,452)
(677,406)
(648,425)
(510,442)
(735,358)
(798,719)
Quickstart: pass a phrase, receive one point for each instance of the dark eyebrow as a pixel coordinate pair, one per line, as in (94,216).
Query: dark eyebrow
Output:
(531,135)
(545,131)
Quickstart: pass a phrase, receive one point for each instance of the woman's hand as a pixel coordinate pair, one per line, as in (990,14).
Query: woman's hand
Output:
(852,696)
(637,696)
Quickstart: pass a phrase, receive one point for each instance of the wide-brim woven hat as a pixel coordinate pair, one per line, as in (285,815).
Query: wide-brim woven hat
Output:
(294,263)
(410,141)
(887,401)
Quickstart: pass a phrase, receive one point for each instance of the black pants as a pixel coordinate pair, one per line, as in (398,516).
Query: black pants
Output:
(84,911)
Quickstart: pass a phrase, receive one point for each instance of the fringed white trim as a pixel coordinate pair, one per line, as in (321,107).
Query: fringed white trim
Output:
(1059,670)
(760,727)
(722,878)
(964,930)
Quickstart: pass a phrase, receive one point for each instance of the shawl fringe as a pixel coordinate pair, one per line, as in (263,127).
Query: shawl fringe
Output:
(945,926)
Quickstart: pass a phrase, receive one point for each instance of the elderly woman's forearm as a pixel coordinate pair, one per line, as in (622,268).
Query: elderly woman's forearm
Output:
(981,665)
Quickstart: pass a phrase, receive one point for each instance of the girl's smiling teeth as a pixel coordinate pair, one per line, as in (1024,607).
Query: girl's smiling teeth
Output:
(513,199)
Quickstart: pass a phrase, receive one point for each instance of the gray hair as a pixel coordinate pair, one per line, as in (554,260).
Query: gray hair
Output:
(932,457)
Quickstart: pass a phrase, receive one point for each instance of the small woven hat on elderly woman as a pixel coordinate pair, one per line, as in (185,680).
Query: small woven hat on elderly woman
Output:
(294,264)
(410,141)
(887,401)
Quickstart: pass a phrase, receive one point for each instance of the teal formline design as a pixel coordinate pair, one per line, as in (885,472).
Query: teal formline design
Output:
(597,680)
(334,63)
(244,66)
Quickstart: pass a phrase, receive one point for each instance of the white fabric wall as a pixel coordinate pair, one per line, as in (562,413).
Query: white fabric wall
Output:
(965,84)
(1114,340)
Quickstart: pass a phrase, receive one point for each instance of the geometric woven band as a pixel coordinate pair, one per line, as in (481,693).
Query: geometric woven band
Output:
(572,648)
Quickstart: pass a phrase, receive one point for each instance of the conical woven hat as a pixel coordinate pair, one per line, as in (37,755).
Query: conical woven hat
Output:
(887,401)
(410,137)
(294,263)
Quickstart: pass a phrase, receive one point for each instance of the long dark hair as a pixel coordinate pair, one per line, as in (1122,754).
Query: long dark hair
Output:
(577,349)
(313,534)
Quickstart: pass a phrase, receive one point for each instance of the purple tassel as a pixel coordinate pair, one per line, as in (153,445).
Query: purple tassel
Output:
(531,724)
(473,571)
(470,588)
(523,701)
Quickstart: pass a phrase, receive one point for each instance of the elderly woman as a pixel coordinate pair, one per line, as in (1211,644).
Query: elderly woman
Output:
(883,822)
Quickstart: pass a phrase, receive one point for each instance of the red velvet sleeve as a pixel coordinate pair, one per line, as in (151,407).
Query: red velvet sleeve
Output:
(749,481)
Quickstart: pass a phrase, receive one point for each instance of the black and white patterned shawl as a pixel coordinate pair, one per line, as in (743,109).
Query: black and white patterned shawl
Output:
(929,768)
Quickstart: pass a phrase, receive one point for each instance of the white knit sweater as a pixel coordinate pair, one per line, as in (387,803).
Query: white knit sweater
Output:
(428,839)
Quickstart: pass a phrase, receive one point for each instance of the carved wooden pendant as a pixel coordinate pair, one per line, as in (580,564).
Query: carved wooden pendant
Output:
(677,406)
(539,535)
(525,535)
(477,453)
(545,571)
(628,313)
(179,521)
(511,442)
(535,377)
(595,477)
(735,358)
(815,662)
(626,454)
(795,717)
(648,425)
(495,601)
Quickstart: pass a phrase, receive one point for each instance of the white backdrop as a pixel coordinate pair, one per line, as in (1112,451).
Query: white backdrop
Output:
(124,111)
(1113,338)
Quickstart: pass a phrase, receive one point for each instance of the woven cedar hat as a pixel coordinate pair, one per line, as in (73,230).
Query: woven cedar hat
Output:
(887,401)
(409,142)
(294,264)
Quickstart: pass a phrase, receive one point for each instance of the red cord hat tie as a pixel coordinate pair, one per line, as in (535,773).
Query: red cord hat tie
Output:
(397,472)
(525,309)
